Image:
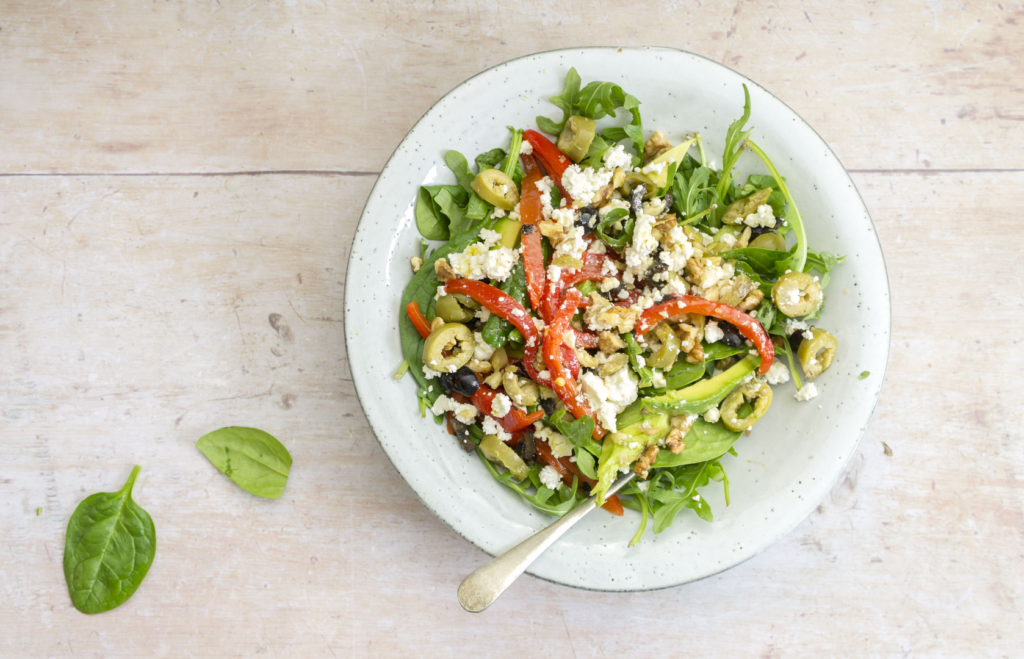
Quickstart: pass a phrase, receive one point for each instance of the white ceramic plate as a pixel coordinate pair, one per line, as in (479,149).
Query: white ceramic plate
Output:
(796,453)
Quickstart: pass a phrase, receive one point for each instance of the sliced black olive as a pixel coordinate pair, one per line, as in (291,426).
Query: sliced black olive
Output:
(587,219)
(527,229)
(757,231)
(732,337)
(669,200)
(527,448)
(548,405)
(795,339)
(462,436)
(462,381)
(636,199)
(657,267)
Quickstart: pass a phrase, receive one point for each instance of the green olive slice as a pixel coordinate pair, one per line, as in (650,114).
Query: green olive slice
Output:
(752,391)
(448,347)
(523,391)
(576,137)
(741,208)
(797,294)
(496,188)
(817,352)
(450,311)
(498,451)
(771,240)
(665,357)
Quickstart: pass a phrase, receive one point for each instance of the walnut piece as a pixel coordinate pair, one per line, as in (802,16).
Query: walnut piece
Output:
(643,465)
(655,146)
(444,271)
(752,300)
(416,263)
(603,315)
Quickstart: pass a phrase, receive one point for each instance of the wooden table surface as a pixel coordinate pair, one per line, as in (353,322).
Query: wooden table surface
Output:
(173,173)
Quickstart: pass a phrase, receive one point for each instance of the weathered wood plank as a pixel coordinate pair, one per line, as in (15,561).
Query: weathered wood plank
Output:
(213,87)
(135,316)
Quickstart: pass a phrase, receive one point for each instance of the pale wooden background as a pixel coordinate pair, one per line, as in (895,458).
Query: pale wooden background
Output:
(172,173)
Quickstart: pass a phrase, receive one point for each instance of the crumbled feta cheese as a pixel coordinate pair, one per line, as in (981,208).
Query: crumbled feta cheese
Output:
(498,212)
(545,185)
(560,445)
(598,247)
(712,415)
(643,486)
(653,168)
(677,254)
(583,184)
(676,284)
(638,254)
(608,283)
(764,217)
(713,274)
(609,396)
(712,332)
(463,412)
(554,273)
(440,292)
(728,240)
(572,244)
(609,269)
(479,261)
(490,237)
(564,216)
(482,314)
(501,405)
(549,477)
(777,374)
(514,213)
(492,427)
(481,350)
(525,148)
(616,157)
(807,392)
(544,375)
(658,379)
(792,325)
(539,324)
(429,373)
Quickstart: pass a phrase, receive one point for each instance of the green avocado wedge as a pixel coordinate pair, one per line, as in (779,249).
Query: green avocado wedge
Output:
(700,397)
(622,448)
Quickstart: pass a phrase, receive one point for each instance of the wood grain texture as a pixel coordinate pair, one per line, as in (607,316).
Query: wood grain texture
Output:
(229,86)
(135,315)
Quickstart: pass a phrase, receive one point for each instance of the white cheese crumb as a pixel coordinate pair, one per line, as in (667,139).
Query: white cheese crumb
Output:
(616,157)
(713,333)
(429,373)
(550,478)
(764,217)
(526,148)
(582,184)
(479,261)
(560,445)
(501,405)
(463,412)
(777,374)
(807,392)
(491,427)
(609,396)
(712,415)
(792,325)
(481,350)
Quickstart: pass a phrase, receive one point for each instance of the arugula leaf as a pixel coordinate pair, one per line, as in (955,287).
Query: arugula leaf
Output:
(686,481)
(624,237)
(108,549)
(553,502)
(765,262)
(633,131)
(599,99)
(766,314)
(705,441)
(578,431)
(735,138)
(511,163)
(793,218)
(823,262)
(496,330)
(254,459)
(566,101)
(595,154)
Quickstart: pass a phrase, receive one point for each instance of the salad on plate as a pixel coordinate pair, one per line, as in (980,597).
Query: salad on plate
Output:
(605,300)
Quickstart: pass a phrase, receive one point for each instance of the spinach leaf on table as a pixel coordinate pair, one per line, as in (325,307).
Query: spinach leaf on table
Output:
(109,548)
(254,459)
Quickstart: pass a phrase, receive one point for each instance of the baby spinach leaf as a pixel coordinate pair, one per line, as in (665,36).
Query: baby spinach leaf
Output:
(490,159)
(254,459)
(766,314)
(718,350)
(680,375)
(765,262)
(586,463)
(595,153)
(438,207)
(705,441)
(605,226)
(566,101)
(496,330)
(460,167)
(109,548)
(429,222)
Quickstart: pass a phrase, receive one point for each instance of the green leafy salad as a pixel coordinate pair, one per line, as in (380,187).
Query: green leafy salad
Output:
(607,300)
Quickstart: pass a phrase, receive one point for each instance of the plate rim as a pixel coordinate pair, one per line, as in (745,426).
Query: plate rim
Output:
(362,223)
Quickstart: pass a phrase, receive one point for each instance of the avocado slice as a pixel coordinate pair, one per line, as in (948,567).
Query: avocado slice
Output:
(700,397)
(621,449)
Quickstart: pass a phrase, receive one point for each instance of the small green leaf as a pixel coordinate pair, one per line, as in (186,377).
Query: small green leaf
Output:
(864,375)
(254,459)
(109,548)
(566,101)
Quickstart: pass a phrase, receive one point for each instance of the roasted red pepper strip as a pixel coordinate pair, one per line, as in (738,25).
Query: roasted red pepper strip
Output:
(745,323)
(554,161)
(566,469)
(419,321)
(592,270)
(561,380)
(587,340)
(515,420)
(530,215)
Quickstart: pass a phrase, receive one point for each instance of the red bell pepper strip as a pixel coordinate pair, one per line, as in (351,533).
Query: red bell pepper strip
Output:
(745,323)
(561,380)
(587,340)
(592,270)
(419,321)
(554,161)
(515,420)
(630,299)
(530,215)
(567,469)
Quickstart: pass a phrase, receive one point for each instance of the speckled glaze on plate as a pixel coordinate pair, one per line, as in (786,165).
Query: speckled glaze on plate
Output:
(790,462)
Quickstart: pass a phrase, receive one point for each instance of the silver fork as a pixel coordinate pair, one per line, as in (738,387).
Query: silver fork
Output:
(479,590)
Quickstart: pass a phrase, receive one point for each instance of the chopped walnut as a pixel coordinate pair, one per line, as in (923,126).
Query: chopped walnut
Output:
(688,336)
(711,293)
(552,230)
(643,465)
(610,342)
(694,269)
(696,355)
(416,263)
(674,441)
(752,300)
(655,146)
(605,193)
(666,223)
(603,315)
(736,290)
(444,271)
(437,322)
